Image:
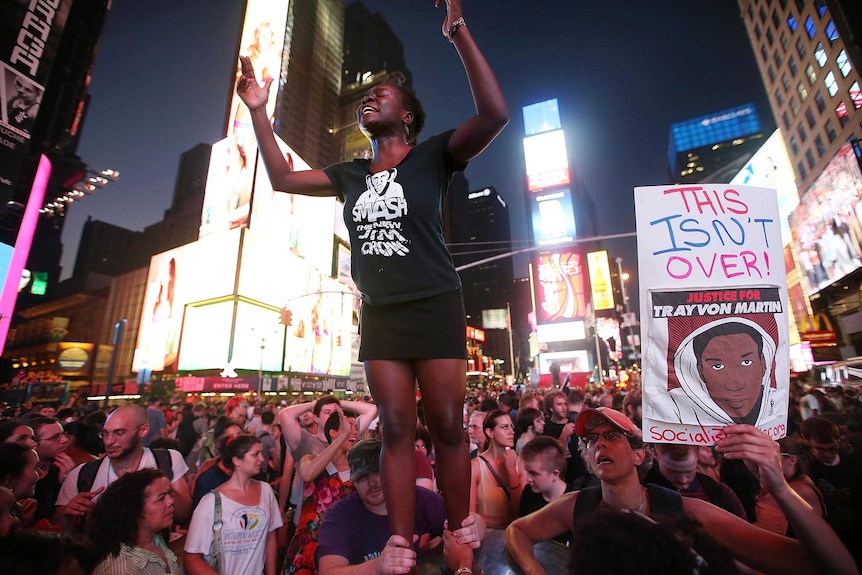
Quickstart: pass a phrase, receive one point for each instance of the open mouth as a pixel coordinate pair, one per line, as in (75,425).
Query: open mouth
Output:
(603,460)
(366,110)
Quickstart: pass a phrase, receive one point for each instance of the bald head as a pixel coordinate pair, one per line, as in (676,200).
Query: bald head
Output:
(128,416)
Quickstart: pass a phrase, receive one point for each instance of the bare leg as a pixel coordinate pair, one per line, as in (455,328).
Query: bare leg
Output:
(393,385)
(443,385)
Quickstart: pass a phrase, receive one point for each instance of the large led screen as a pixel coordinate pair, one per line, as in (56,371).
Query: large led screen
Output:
(600,280)
(303,225)
(553,217)
(559,287)
(608,330)
(770,168)
(206,336)
(229,183)
(198,271)
(568,331)
(576,361)
(546,160)
(541,117)
(827,223)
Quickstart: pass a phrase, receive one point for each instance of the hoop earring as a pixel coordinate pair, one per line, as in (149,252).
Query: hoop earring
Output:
(407,129)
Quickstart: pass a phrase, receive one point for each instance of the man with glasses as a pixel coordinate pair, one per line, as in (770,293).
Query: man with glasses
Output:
(838,475)
(614,449)
(122,433)
(54,463)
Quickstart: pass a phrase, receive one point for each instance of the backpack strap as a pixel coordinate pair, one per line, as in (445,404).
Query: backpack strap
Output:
(164,462)
(87,475)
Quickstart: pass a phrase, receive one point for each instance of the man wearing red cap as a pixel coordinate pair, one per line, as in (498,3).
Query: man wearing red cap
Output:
(614,450)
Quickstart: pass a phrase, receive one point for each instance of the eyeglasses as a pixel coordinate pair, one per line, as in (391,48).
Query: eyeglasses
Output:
(105,434)
(832,447)
(55,437)
(612,435)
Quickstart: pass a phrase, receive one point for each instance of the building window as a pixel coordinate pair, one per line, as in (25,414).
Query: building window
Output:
(763,14)
(803,91)
(810,74)
(819,54)
(785,81)
(855,95)
(843,63)
(831,84)
(803,173)
(821,103)
(791,63)
(803,135)
(821,149)
(809,115)
(784,41)
(809,155)
(830,131)
(776,19)
(800,4)
(765,54)
(751,12)
(778,97)
(794,106)
(771,73)
(757,31)
(791,23)
(831,33)
(770,36)
(794,144)
(809,28)
(777,57)
(841,112)
(820,6)
(786,119)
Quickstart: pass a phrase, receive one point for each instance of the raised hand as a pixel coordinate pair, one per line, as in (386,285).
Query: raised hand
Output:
(82,503)
(760,453)
(453,12)
(247,87)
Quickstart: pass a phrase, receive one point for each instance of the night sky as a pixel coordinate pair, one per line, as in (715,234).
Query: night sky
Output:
(622,71)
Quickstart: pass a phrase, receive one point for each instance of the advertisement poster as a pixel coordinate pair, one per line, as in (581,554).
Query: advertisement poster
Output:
(714,304)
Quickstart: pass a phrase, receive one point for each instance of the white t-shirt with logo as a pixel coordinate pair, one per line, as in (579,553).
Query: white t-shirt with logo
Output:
(244,531)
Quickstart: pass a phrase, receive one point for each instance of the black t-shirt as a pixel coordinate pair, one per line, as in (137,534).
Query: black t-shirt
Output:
(532,501)
(394,217)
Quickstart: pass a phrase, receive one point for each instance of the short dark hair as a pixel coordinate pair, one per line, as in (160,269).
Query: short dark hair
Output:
(333,422)
(13,460)
(325,400)
(267,417)
(820,430)
(525,418)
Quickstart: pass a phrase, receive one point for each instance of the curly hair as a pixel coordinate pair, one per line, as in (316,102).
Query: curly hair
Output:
(13,460)
(115,516)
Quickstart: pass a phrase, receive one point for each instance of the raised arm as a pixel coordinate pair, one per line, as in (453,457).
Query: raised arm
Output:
(551,520)
(311,466)
(290,427)
(817,550)
(365,414)
(492,112)
(278,167)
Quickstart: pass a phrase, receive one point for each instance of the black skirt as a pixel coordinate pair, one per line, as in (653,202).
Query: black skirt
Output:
(428,328)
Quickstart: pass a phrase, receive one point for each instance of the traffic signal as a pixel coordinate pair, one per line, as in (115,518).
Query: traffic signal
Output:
(286,316)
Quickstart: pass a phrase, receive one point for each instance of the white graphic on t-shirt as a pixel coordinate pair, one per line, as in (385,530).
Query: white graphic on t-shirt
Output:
(380,205)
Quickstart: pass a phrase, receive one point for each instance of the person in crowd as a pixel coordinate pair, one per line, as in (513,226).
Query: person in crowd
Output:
(614,448)
(529,424)
(475,433)
(28,552)
(84,444)
(247,512)
(544,462)
(425,476)
(54,463)
(355,536)
(530,400)
(126,526)
(19,472)
(675,467)
(187,435)
(123,433)
(793,466)
(633,407)
(736,475)
(496,486)
(156,421)
(560,427)
(13,431)
(270,457)
(707,462)
(412,302)
(326,479)
(208,444)
(837,473)
(214,472)
(253,424)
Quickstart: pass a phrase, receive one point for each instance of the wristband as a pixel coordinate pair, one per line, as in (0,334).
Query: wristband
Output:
(453,29)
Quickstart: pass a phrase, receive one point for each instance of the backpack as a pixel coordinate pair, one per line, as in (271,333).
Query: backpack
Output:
(87,475)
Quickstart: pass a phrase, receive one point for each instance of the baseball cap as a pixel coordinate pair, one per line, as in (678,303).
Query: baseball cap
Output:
(611,416)
(364,457)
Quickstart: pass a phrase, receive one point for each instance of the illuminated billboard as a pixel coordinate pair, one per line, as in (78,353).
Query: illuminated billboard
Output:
(559,287)
(546,160)
(577,361)
(229,183)
(770,168)
(541,117)
(553,217)
(198,271)
(568,331)
(608,330)
(600,280)
(827,223)
(711,129)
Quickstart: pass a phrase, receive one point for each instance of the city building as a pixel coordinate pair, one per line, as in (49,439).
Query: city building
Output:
(713,147)
(809,58)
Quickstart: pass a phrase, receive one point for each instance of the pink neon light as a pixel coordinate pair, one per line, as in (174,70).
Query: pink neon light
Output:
(22,247)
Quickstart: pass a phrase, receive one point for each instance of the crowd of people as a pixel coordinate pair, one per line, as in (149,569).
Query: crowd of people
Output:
(269,488)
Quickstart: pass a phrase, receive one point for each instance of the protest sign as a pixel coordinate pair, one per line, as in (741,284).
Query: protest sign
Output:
(713,296)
